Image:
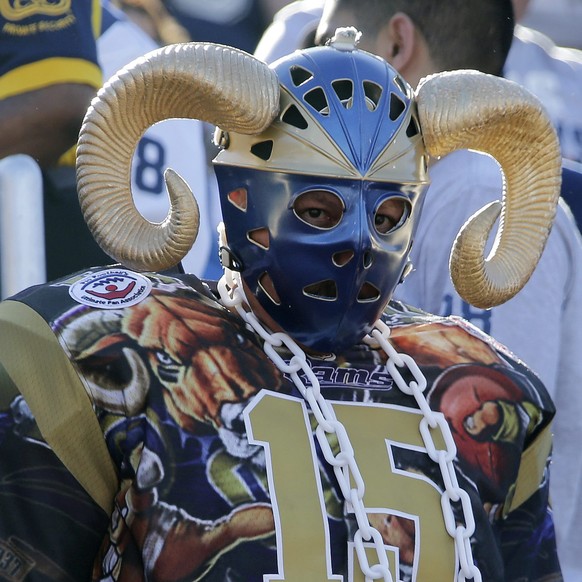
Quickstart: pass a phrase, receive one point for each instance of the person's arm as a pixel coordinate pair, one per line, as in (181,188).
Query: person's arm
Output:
(527,536)
(43,123)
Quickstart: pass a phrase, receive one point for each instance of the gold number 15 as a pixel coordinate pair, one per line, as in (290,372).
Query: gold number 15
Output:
(281,424)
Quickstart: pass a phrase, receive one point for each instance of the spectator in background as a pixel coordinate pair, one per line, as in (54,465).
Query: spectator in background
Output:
(541,324)
(292,27)
(178,144)
(48,76)
(561,20)
(572,188)
(238,23)
(554,75)
(153,17)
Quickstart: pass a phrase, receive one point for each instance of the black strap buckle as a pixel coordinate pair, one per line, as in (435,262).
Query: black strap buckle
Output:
(229,260)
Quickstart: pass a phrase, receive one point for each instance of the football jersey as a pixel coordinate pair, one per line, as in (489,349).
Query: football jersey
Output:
(218,474)
(61,32)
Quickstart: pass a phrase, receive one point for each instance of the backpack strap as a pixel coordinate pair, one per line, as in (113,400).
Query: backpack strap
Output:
(532,469)
(36,364)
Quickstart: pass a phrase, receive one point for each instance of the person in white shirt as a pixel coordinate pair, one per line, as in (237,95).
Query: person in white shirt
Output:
(293,27)
(561,20)
(177,144)
(542,324)
(554,75)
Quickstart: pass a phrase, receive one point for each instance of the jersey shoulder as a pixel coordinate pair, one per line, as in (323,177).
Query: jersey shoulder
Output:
(110,288)
(445,341)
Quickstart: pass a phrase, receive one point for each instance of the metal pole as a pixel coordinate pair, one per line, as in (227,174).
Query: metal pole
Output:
(22,248)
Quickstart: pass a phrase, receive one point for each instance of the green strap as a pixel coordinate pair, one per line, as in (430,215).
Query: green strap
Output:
(531,469)
(36,363)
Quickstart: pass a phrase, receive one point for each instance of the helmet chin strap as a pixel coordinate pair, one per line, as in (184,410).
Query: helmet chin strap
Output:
(344,463)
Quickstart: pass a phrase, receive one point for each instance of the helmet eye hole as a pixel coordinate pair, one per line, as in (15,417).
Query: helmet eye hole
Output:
(391,214)
(319,208)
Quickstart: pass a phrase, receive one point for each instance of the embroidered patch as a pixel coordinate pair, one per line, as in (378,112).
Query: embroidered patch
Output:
(12,10)
(111,289)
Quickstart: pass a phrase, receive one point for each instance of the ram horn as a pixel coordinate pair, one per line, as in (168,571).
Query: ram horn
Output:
(472,110)
(212,83)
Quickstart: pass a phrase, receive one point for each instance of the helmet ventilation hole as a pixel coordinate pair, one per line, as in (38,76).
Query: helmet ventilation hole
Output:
(259,237)
(263,149)
(368,293)
(317,99)
(344,89)
(293,116)
(367,260)
(399,82)
(266,284)
(238,198)
(373,93)
(342,258)
(299,75)
(324,290)
(396,107)
(412,128)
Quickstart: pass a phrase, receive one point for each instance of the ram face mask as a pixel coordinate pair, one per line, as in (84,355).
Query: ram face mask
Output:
(320,208)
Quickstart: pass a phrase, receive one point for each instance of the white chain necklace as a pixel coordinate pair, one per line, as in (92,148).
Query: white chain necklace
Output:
(344,463)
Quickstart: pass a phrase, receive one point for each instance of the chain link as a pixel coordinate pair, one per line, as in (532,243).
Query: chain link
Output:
(344,463)
(444,457)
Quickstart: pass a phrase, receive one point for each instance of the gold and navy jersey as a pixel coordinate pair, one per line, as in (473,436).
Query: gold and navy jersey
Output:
(46,42)
(205,466)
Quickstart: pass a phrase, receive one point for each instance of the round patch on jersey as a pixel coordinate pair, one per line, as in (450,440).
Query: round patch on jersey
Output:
(111,289)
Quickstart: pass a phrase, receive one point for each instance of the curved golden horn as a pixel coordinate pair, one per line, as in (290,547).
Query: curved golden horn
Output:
(213,83)
(472,110)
